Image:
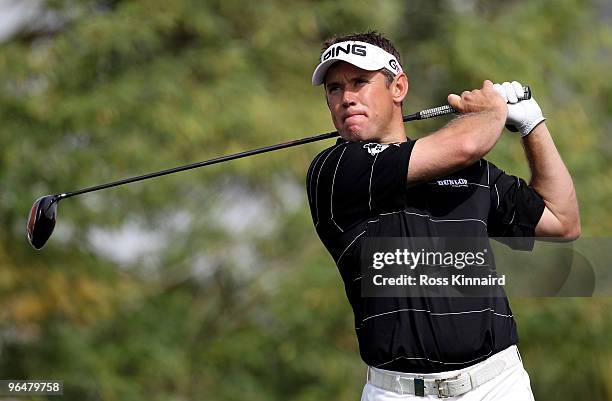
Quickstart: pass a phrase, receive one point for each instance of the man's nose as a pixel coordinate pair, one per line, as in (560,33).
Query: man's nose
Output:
(348,98)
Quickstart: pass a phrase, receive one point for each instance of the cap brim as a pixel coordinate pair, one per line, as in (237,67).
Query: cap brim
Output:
(318,77)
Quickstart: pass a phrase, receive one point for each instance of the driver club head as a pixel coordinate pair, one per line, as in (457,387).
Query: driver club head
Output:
(41,221)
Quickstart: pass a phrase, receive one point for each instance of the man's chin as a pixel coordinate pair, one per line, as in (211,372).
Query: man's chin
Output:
(354,135)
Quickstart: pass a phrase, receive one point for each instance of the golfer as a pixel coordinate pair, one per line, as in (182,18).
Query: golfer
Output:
(376,182)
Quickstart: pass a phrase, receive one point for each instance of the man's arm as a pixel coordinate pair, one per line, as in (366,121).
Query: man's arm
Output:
(549,176)
(552,181)
(464,140)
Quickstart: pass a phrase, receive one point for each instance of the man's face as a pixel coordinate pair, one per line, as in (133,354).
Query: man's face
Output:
(360,102)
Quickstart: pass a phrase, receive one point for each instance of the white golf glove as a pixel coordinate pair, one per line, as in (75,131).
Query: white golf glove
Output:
(523,115)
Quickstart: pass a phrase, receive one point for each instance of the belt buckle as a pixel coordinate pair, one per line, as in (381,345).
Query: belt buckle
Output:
(439,387)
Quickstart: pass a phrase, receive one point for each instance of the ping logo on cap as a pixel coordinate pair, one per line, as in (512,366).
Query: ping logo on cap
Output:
(351,48)
(360,54)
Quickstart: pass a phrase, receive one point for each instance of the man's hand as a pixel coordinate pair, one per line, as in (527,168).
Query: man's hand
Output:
(479,100)
(464,140)
(523,115)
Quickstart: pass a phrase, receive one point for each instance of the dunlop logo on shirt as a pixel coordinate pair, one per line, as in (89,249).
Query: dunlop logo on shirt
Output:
(459,182)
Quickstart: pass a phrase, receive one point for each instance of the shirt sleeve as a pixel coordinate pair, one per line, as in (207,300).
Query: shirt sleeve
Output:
(354,180)
(515,211)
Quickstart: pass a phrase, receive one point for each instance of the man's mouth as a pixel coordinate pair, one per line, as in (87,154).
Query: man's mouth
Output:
(354,118)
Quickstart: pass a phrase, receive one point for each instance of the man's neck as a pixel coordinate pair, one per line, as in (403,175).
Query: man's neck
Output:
(396,133)
(393,139)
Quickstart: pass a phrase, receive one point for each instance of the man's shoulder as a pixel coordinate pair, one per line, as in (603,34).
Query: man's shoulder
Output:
(357,154)
(364,147)
(483,165)
(322,155)
(492,170)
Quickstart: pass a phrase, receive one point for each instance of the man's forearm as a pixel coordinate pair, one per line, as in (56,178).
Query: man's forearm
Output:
(464,140)
(478,132)
(459,144)
(481,122)
(551,179)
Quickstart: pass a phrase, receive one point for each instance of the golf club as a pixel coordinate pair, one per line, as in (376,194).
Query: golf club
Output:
(43,213)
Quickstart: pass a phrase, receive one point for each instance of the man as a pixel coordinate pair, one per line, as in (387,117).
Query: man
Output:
(375,182)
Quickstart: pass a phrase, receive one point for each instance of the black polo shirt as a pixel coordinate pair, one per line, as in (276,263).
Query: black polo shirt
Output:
(358,190)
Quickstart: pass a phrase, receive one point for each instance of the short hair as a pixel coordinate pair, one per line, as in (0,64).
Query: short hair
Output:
(371,37)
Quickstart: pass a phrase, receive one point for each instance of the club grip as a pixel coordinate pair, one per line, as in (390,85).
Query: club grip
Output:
(526,93)
(447,109)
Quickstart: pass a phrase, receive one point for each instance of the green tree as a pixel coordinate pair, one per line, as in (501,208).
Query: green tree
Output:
(212,284)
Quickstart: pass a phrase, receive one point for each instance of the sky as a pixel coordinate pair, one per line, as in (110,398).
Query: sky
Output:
(14,15)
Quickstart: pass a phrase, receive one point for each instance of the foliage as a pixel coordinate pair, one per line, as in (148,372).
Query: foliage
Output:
(212,284)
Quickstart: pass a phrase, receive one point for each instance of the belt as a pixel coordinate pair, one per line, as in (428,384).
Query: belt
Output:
(459,383)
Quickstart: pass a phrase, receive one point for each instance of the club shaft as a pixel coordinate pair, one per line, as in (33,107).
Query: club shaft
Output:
(203,163)
(424,114)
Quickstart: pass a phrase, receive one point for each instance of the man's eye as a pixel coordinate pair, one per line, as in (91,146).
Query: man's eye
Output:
(362,81)
(333,88)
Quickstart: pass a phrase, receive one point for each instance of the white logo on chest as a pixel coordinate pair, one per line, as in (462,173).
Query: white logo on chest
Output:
(376,148)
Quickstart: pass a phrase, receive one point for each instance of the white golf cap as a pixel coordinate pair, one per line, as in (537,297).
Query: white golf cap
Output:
(361,54)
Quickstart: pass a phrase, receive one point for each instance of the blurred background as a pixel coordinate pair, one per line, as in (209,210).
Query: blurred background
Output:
(212,284)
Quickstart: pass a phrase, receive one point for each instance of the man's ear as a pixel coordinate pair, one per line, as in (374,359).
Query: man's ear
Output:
(399,88)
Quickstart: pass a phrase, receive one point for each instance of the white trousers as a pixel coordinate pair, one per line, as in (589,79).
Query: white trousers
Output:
(510,385)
